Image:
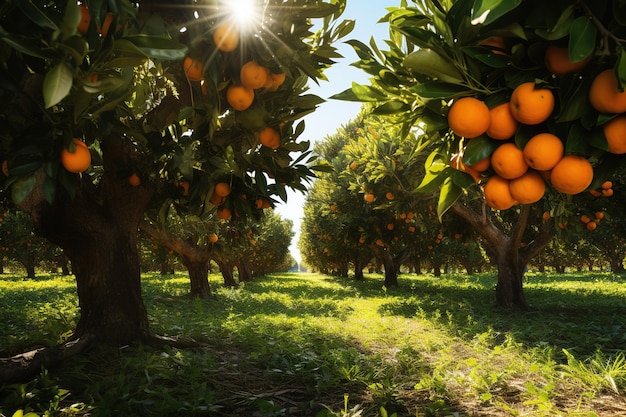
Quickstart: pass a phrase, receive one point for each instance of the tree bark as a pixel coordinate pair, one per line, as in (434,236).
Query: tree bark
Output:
(391,272)
(506,251)
(97,229)
(195,258)
(227,269)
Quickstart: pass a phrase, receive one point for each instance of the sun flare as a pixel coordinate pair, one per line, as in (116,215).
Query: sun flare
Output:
(245,13)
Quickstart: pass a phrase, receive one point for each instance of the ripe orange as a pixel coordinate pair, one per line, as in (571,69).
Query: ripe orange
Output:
(591,226)
(85,19)
(607,192)
(543,151)
(224,213)
(558,62)
(5,168)
(508,161)
(497,44)
(277,80)
(456,162)
(77,161)
(390,196)
(390,226)
(502,124)
(606,185)
(599,215)
(226,37)
(615,133)
(239,97)
(134,180)
(585,219)
(269,137)
(221,189)
(353,165)
(572,175)
(262,203)
(193,69)
(212,238)
(184,185)
(253,75)
(469,117)
(369,197)
(604,94)
(482,165)
(412,229)
(106,24)
(497,193)
(531,105)
(528,189)
(546,215)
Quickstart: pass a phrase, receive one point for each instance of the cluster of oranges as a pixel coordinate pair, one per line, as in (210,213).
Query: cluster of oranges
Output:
(592,223)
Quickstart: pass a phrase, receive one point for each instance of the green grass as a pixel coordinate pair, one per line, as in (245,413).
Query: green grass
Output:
(307,345)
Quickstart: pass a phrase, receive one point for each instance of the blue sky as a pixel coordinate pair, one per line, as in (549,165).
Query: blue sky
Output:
(332,114)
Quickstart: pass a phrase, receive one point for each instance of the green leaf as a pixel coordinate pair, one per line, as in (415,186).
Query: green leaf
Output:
(576,140)
(449,194)
(582,38)
(392,107)
(22,188)
(37,16)
(361,93)
(487,56)
(433,179)
(488,11)
(430,63)
(438,89)
(27,46)
(57,84)
(159,48)
(478,149)
(621,70)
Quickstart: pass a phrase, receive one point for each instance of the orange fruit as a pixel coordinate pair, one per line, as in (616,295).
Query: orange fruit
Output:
(531,105)
(85,19)
(193,69)
(607,193)
(253,75)
(390,196)
(508,161)
(212,238)
(134,180)
(595,193)
(106,25)
(615,133)
(369,197)
(277,80)
(216,200)
(353,165)
(604,94)
(528,189)
(497,44)
(224,213)
(390,226)
(456,162)
(546,215)
(558,62)
(262,203)
(239,97)
(226,37)
(482,165)
(502,124)
(221,189)
(269,137)
(78,160)
(412,229)
(184,185)
(469,117)
(543,151)
(591,226)
(5,168)
(599,215)
(572,175)
(497,193)
(585,219)
(606,185)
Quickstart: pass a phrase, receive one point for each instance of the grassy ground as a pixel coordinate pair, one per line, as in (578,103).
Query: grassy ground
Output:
(312,345)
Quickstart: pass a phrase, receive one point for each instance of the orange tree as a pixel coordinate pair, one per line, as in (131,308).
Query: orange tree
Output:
(534,87)
(157,96)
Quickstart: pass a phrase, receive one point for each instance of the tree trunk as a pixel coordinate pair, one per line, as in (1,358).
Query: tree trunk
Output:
(227,271)
(198,269)
(391,272)
(97,229)
(359,264)
(244,272)
(506,250)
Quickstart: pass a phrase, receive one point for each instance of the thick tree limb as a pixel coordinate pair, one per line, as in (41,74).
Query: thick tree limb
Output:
(26,365)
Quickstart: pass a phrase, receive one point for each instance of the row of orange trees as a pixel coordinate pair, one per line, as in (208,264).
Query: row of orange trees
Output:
(367,213)
(530,92)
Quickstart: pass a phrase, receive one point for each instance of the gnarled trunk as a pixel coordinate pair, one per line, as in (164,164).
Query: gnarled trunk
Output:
(507,252)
